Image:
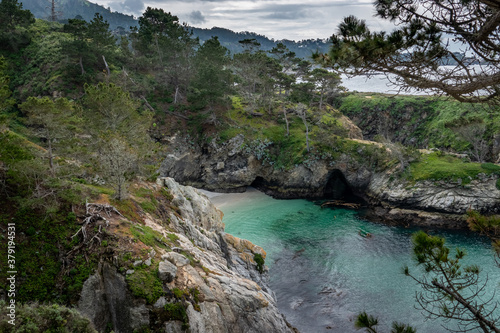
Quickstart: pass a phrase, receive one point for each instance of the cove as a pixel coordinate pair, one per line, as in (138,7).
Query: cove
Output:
(324,272)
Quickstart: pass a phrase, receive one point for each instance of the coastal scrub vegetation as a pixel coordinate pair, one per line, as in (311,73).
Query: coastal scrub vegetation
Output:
(45,318)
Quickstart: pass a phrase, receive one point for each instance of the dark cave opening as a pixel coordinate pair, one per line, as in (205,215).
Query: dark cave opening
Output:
(338,188)
(260,183)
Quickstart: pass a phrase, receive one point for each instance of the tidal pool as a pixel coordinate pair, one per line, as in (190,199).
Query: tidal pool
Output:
(324,272)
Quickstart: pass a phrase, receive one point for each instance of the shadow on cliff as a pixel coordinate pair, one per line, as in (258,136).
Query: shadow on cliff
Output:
(336,188)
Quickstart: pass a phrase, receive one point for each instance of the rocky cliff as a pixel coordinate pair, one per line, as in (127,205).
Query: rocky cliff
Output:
(180,272)
(433,203)
(229,167)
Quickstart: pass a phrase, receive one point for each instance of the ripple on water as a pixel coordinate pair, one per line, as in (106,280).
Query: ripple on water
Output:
(324,271)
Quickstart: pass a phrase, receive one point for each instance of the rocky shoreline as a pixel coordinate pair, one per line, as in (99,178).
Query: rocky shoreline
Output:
(229,168)
(213,281)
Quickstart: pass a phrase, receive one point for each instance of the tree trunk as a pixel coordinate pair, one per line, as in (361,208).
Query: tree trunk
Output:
(51,156)
(286,122)
(307,130)
(176,95)
(107,67)
(158,50)
(321,92)
(81,65)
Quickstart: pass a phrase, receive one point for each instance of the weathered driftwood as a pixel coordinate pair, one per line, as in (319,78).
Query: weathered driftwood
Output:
(93,213)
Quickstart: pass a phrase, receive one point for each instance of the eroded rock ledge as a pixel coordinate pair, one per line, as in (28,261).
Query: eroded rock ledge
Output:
(209,275)
(230,168)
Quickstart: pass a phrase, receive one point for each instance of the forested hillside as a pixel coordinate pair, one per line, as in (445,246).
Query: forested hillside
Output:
(83,116)
(69,9)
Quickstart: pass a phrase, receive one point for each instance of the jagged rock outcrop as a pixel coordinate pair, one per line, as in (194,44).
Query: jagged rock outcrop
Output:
(105,300)
(229,167)
(450,197)
(437,203)
(210,279)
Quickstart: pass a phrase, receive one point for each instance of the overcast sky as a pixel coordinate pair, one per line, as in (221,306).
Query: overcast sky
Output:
(278,19)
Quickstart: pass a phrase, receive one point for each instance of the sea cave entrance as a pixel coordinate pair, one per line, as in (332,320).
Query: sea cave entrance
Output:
(338,188)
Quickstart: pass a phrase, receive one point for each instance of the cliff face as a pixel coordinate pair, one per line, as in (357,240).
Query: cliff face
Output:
(208,282)
(228,167)
(432,203)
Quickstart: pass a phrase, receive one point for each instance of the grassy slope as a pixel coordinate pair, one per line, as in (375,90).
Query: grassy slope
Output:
(425,119)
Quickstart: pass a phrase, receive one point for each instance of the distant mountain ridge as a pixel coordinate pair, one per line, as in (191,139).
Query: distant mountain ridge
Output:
(229,39)
(68,9)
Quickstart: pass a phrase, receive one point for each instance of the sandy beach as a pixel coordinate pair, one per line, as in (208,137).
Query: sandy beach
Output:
(225,200)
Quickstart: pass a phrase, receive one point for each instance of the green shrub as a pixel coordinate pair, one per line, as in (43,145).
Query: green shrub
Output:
(44,318)
(259,260)
(179,293)
(493,168)
(145,283)
(177,311)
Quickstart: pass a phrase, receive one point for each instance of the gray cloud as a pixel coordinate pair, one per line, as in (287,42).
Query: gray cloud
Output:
(196,17)
(286,15)
(290,19)
(134,7)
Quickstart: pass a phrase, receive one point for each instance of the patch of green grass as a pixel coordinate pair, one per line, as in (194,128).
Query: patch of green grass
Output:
(101,189)
(127,208)
(436,167)
(148,206)
(145,283)
(228,133)
(147,235)
(173,237)
(143,192)
(177,311)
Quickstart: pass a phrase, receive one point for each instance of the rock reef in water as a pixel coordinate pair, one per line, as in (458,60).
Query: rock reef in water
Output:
(209,280)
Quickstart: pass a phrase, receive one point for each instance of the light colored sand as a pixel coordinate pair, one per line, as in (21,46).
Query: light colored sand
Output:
(224,200)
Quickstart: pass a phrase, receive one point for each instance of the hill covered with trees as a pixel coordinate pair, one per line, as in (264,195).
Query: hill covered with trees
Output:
(83,9)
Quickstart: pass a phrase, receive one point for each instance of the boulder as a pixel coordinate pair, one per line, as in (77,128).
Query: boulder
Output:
(167,271)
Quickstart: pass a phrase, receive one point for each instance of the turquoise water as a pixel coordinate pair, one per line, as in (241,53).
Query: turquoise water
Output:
(324,272)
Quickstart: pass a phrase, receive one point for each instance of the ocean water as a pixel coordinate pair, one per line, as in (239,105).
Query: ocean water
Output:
(381,84)
(324,272)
